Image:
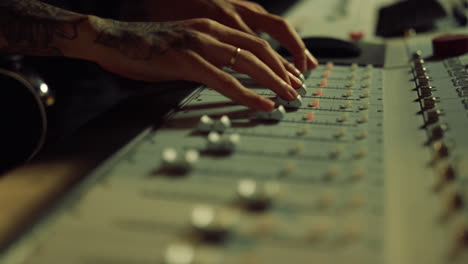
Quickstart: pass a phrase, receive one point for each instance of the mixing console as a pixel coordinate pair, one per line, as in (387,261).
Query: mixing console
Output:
(368,165)
(228,185)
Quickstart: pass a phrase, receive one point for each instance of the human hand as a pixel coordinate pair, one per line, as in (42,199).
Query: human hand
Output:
(242,15)
(191,50)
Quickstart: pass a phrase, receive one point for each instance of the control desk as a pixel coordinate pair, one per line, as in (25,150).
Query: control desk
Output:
(368,165)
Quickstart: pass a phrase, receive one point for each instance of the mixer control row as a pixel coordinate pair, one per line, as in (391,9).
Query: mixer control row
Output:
(445,160)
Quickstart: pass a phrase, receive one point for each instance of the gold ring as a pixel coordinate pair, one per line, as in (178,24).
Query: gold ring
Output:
(233,59)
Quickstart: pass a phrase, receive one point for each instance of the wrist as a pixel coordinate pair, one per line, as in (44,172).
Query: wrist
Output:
(80,44)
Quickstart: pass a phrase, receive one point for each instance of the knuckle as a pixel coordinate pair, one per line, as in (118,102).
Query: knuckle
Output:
(263,44)
(248,55)
(204,24)
(279,21)
(227,81)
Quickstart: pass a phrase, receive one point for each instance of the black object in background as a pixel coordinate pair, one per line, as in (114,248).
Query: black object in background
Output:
(419,15)
(328,47)
(23,118)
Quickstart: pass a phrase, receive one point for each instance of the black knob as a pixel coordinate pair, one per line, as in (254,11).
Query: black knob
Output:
(438,132)
(429,102)
(423,79)
(441,150)
(417,55)
(426,90)
(432,116)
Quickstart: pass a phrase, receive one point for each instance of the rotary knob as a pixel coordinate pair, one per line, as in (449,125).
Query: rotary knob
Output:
(213,224)
(438,132)
(429,103)
(441,150)
(426,90)
(446,175)
(432,116)
(257,196)
(423,79)
(421,70)
(452,201)
(417,55)
(419,62)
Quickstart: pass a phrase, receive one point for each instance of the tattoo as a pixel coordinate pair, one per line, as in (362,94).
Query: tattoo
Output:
(31,27)
(143,41)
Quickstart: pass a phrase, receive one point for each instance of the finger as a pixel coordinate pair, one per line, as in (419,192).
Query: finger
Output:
(281,30)
(260,47)
(206,73)
(290,67)
(247,4)
(219,54)
(234,20)
(312,62)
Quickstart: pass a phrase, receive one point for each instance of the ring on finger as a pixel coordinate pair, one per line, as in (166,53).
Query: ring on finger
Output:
(233,59)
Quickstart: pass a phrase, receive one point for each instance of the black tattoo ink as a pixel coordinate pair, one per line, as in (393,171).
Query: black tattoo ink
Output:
(143,41)
(30,27)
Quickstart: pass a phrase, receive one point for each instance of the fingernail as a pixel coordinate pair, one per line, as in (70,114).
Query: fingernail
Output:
(291,92)
(297,72)
(312,58)
(296,82)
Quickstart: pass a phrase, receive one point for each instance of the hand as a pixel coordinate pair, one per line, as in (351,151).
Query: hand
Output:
(242,15)
(191,50)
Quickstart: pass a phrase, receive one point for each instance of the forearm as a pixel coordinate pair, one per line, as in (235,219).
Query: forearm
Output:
(31,27)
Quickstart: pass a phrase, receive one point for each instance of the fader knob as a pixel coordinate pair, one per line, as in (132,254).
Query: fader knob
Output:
(294,104)
(222,143)
(257,196)
(275,115)
(303,90)
(222,124)
(429,102)
(213,224)
(175,162)
(179,253)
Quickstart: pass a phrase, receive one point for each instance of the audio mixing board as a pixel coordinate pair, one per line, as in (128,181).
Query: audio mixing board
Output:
(368,165)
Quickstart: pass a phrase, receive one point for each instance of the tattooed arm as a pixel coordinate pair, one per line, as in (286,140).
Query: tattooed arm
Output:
(34,28)
(150,51)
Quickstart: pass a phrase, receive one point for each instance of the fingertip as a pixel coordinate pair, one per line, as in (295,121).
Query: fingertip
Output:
(295,81)
(312,62)
(267,105)
(301,65)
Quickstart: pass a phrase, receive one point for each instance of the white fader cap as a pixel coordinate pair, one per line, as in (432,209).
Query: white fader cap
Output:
(174,161)
(275,115)
(293,104)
